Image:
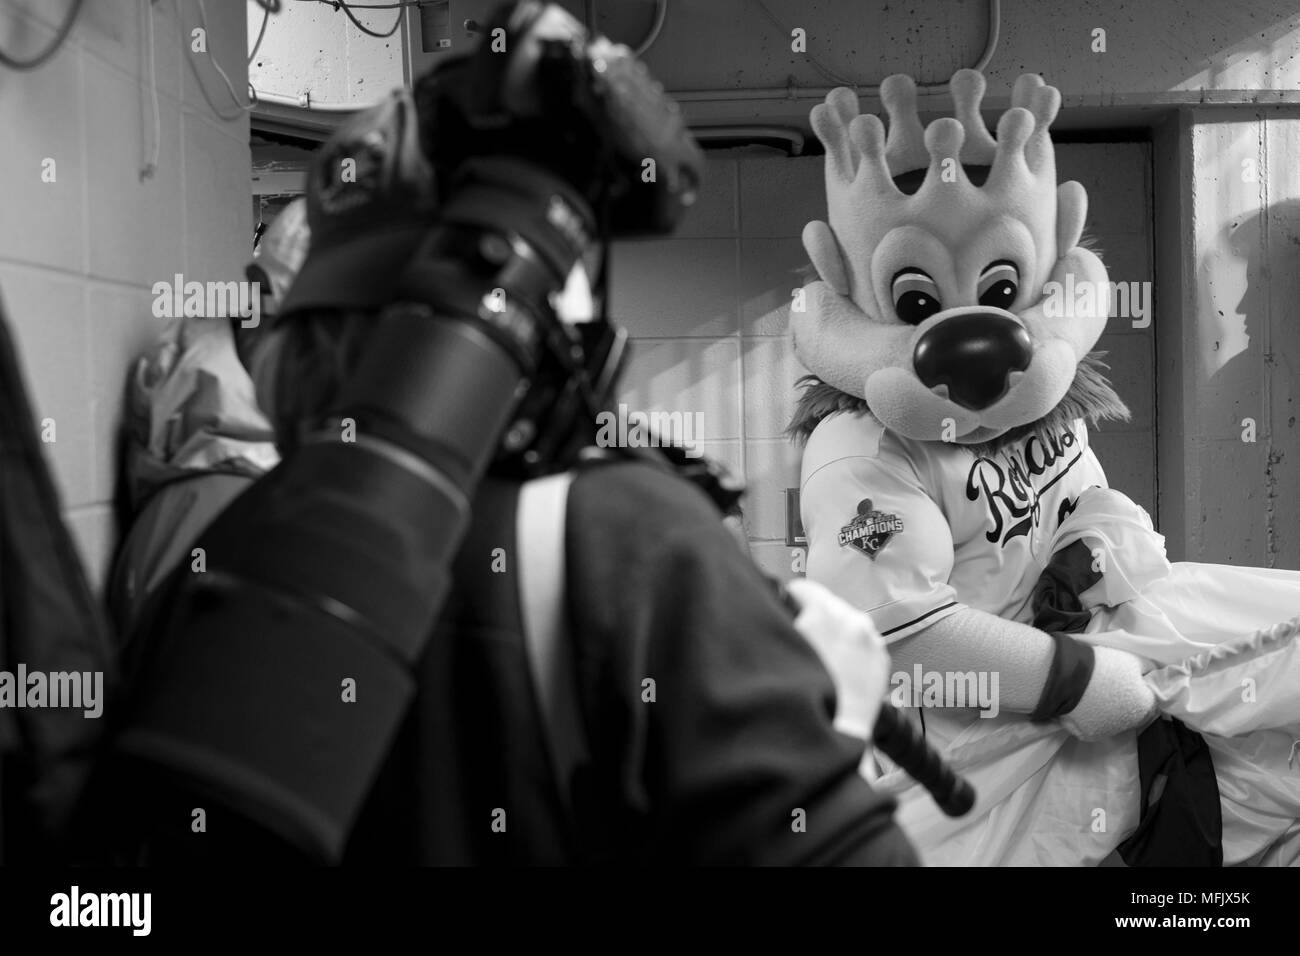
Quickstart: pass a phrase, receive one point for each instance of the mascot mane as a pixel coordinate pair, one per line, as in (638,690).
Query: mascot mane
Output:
(1090,397)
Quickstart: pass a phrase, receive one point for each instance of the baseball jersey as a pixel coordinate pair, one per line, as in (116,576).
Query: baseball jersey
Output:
(913,531)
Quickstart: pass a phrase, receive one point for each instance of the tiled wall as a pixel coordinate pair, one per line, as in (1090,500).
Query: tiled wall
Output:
(708,311)
(78,256)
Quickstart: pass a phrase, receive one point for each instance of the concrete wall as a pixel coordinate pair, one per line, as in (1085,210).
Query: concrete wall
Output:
(311,48)
(79,255)
(1230,333)
(1156,52)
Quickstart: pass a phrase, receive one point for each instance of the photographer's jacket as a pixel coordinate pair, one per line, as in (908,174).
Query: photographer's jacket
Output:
(707,717)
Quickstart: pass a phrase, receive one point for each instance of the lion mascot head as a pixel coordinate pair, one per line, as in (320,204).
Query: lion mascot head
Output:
(946,301)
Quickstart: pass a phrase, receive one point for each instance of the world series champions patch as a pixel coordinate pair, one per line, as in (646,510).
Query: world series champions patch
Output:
(870,530)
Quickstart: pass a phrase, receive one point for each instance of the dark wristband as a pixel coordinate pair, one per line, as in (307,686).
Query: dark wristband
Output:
(1071,669)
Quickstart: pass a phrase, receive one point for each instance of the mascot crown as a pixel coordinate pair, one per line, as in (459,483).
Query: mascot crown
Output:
(865,201)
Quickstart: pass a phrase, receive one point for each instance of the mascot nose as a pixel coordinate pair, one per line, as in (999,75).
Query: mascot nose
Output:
(973,355)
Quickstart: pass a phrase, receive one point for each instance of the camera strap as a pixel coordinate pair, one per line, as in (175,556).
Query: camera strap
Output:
(540,518)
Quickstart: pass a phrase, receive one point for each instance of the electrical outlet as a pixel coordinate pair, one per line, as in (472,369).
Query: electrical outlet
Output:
(435,26)
(794,533)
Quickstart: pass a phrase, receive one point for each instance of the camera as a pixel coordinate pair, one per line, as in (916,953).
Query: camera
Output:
(585,108)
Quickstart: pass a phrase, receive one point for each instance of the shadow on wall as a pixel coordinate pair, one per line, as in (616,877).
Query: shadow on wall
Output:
(1249,271)
(1252,63)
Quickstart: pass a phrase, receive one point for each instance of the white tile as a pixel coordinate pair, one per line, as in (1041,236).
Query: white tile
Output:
(40,116)
(772,466)
(136,228)
(714,212)
(688,376)
(121,326)
(770,370)
(218,215)
(779,196)
(47,316)
(770,271)
(668,288)
(116,32)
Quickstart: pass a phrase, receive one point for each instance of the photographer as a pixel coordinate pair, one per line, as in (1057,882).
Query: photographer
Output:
(361,677)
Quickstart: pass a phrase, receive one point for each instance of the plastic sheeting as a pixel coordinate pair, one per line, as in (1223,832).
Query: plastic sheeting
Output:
(192,408)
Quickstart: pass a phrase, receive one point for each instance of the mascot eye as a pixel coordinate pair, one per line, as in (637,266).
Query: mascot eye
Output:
(999,284)
(916,297)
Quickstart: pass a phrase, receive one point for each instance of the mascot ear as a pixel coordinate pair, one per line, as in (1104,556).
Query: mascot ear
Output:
(1071,211)
(824,251)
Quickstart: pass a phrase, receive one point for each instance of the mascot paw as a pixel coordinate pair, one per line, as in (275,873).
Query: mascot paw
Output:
(1117,698)
(850,648)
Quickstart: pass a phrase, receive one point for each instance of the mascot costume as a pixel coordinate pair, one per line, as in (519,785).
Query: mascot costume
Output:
(949,490)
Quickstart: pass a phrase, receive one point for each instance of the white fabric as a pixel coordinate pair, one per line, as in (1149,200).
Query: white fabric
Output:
(192,406)
(539,533)
(1043,797)
(1230,671)
(977,532)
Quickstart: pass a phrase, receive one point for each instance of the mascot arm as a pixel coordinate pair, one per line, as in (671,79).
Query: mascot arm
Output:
(880,542)
(975,640)
(1096,692)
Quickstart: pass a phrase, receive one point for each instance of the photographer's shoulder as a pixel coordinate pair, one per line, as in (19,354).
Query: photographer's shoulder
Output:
(656,484)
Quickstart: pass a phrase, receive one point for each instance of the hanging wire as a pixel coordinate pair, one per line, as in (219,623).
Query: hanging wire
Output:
(661,13)
(266,15)
(151,166)
(337,4)
(225,77)
(347,8)
(62,35)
